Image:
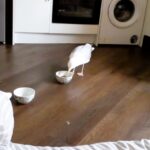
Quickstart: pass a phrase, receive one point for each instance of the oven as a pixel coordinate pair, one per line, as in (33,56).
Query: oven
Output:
(76,11)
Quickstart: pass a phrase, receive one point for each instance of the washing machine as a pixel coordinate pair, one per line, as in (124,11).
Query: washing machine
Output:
(121,21)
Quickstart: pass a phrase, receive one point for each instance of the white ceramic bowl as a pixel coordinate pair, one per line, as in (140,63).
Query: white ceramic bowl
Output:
(64,76)
(24,95)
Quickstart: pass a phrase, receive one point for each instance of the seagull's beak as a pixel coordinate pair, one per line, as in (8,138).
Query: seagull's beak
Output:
(93,48)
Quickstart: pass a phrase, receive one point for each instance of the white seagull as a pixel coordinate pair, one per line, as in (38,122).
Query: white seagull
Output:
(80,56)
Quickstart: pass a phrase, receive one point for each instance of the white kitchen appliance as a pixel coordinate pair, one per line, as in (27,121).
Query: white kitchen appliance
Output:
(121,21)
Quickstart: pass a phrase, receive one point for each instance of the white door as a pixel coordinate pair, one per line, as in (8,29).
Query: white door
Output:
(32,16)
(123,13)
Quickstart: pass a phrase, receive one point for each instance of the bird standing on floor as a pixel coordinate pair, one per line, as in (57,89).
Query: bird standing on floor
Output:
(80,56)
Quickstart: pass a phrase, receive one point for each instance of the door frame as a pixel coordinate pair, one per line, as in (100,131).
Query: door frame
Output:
(9,22)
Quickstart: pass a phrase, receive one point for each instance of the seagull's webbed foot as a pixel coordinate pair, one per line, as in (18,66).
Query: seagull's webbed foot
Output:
(80,74)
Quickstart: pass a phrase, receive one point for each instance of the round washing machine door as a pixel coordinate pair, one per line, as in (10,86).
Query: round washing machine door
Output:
(123,13)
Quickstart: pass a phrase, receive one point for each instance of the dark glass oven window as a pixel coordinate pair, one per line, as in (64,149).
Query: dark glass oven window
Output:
(75,8)
(124,10)
(76,11)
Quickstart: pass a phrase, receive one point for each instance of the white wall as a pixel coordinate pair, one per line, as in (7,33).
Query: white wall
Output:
(146,30)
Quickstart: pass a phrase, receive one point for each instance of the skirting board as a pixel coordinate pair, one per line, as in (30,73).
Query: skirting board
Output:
(52,38)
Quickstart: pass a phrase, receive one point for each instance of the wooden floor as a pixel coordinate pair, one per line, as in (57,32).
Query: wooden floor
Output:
(111,102)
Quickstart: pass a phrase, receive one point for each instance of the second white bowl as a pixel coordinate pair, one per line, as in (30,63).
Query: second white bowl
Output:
(24,95)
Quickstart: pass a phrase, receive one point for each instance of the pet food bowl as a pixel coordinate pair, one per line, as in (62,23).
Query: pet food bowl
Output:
(24,95)
(64,76)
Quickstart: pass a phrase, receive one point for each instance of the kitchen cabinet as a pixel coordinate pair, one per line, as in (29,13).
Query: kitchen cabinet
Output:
(32,16)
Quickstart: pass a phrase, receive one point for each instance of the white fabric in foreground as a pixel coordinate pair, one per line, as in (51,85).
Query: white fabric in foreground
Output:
(7,125)
(6,119)
(120,145)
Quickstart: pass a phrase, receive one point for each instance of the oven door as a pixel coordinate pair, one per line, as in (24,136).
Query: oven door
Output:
(76,11)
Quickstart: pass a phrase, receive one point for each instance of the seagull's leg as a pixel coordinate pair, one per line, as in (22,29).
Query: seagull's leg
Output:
(81,73)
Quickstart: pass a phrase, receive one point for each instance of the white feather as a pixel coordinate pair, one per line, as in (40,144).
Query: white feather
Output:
(79,56)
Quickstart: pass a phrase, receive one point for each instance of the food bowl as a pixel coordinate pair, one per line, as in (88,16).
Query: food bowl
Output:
(24,95)
(64,76)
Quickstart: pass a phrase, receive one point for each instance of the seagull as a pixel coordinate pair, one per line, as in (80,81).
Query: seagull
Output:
(80,56)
